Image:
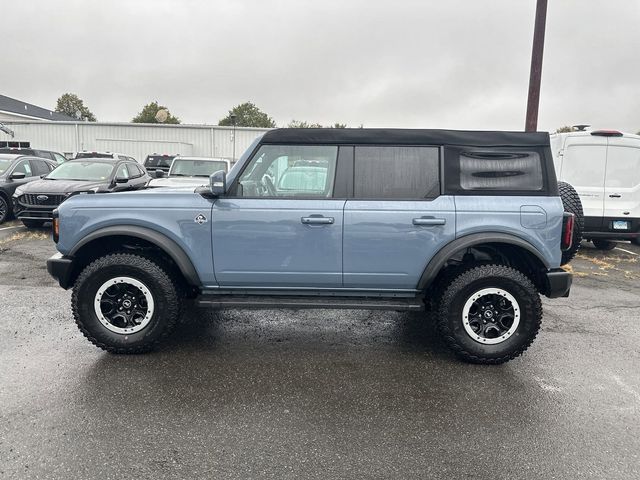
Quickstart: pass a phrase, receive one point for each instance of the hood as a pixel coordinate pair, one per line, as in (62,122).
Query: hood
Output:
(61,186)
(179,182)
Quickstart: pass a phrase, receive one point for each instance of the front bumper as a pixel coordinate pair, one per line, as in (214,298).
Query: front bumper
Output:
(558,283)
(60,268)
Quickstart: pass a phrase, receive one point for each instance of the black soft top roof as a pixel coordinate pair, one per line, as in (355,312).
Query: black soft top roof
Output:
(397,136)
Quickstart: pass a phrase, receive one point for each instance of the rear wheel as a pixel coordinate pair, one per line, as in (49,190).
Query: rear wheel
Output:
(604,244)
(489,314)
(125,303)
(5,209)
(572,204)
(33,223)
(636,241)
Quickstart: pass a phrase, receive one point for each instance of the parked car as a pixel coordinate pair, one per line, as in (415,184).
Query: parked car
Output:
(467,224)
(57,157)
(604,168)
(115,156)
(34,202)
(158,163)
(189,172)
(17,170)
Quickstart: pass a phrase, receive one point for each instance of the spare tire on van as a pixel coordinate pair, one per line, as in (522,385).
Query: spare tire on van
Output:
(572,204)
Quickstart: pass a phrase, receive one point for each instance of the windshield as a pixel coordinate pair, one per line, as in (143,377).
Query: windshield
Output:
(94,155)
(159,161)
(90,171)
(196,168)
(4,164)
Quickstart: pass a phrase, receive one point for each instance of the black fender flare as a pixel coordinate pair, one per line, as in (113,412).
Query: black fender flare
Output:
(439,259)
(160,240)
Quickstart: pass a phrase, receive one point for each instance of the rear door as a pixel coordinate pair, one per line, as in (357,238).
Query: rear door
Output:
(397,219)
(281,224)
(622,184)
(583,166)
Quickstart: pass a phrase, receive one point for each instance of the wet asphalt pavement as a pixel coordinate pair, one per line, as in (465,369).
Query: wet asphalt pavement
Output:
(319,394)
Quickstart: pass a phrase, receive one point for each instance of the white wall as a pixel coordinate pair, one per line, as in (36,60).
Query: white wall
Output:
(137,140)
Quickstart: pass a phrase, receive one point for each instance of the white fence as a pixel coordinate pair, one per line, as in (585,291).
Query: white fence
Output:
(135,139)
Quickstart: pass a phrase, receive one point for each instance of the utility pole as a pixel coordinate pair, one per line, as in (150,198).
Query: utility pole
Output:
(531,122)
(233,122)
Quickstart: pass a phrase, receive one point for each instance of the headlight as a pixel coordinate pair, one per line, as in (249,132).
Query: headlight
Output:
(18,192)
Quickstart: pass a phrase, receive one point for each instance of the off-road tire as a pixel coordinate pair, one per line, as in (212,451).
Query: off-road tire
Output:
(572,204)
(33,223)
(605,245)
(5,209)
(162,286)
(449,313)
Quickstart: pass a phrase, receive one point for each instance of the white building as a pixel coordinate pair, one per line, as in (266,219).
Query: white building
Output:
(37,127)
(135,139)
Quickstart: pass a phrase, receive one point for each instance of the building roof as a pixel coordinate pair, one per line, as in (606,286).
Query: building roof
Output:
(397,136)
(11,105)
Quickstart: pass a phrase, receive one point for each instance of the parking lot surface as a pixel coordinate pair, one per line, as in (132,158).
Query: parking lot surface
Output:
(319,393)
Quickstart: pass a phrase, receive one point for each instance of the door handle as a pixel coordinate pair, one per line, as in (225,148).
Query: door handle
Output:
(429,221)
(319,220)
(615,195)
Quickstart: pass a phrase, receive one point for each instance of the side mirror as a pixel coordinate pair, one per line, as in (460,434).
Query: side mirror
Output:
(218,183)
(122,180)
(18,175)
(160,174)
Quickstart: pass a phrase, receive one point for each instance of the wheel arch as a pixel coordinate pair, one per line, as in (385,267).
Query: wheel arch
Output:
(440,259)
(160,241)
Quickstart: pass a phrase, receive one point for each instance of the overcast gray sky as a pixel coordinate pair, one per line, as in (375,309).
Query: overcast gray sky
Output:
(424,63)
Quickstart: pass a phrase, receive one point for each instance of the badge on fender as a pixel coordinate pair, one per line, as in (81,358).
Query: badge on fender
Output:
(200,219)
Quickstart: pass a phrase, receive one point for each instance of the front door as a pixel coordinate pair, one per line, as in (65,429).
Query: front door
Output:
(280,226)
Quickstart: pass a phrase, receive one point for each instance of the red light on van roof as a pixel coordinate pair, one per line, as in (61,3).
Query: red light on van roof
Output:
(607,133)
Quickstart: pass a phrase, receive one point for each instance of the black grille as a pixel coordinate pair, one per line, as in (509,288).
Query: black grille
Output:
(44,200)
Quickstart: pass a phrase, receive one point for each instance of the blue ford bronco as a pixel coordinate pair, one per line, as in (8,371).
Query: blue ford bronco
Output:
(470,226)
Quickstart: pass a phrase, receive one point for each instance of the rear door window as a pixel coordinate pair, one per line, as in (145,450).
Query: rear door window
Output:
(396,172)
(39,167)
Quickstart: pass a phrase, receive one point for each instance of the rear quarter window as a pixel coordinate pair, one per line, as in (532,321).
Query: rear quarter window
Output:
(489,170)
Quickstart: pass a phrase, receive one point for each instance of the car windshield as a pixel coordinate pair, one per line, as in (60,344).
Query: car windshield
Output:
(196,168)
(82,171)
(4,164)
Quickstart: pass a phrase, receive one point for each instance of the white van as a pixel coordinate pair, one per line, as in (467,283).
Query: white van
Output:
(604,168)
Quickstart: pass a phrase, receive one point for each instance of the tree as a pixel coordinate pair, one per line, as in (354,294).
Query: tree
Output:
(72,105)
(303,124)
(150,114)
(565,129)
(247,115)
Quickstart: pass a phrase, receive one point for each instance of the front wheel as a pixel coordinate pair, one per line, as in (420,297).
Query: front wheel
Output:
(489,314)
(5,209)
(125,303)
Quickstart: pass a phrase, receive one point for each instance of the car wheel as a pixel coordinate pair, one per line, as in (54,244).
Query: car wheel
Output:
(33,223)
(604,244)
(489,314)
(5,209)
(636,241)
(125,303)
(572,204)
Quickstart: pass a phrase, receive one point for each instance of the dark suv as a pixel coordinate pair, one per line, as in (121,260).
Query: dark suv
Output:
(57,157)
(15,171)
(34,203)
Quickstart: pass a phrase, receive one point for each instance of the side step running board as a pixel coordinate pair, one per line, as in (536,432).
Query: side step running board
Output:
(256,301)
